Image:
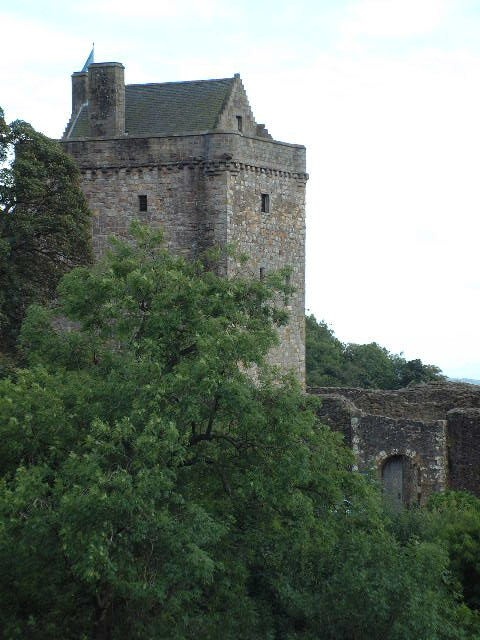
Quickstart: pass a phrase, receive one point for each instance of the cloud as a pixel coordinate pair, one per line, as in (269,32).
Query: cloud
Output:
(35,81)
(394,18)
(157,9)
(393,152)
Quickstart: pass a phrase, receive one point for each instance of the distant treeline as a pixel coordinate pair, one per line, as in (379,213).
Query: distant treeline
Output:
(332,363)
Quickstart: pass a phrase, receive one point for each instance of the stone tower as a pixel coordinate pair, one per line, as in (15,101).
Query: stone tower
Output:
(190,158)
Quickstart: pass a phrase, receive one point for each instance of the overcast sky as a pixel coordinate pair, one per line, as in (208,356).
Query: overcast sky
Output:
(385,94)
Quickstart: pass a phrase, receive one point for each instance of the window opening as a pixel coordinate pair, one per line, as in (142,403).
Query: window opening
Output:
(142,203)
(265,203)
(240,123)
(262,273)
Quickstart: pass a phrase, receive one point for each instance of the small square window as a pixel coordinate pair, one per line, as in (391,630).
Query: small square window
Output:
(265,207)
(142,203)
(240,123)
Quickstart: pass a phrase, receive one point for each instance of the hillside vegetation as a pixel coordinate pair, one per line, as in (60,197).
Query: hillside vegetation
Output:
(331,363)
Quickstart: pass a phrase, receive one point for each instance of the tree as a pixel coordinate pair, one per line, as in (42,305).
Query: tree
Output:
(370,366)
(153,488)
(330,363)
(324,355)
(456,522)
(44,223)
(414,371)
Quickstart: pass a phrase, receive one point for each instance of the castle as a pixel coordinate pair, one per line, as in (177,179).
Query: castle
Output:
(189,157)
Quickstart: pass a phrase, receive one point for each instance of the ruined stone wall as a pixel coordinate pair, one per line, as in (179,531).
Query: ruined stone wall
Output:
(376,439)
(422,402)
(337,412)
(464,449)
(436,427)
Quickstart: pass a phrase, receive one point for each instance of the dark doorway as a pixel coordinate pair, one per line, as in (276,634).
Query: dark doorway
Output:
(400,479)
(393,480)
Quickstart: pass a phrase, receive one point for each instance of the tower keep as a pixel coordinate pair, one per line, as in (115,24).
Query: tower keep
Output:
(189,157)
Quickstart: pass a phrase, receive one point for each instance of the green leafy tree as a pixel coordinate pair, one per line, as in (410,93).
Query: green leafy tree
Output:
(153,488)
(414,371)
(324,355)
(331,363)
(369,366)
(44,223)
(456,522)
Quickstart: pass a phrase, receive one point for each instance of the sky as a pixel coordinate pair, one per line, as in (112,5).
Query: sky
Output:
(385,95)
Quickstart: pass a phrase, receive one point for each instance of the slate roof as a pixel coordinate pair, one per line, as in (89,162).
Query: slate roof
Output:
(167,108)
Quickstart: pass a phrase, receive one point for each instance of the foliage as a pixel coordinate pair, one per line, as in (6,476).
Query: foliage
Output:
(331,363)
(456,522)
(324,354)
(153,488)
(44,223)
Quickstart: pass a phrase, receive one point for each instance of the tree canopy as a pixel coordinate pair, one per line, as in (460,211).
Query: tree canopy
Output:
(44,223)
(158,480)
(330,363)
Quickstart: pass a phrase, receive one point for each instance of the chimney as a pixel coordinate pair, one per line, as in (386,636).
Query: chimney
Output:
(106,99)
(79,91)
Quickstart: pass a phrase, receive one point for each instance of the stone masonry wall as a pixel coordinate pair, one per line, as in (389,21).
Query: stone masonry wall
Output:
(375,439)
(205,190)
(337,412)
(435,426)
(238,105)
(113,196)
(216,149)
(422,402)
(272,240)
(464,449)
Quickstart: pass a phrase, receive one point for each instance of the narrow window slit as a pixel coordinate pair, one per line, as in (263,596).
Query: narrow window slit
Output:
(265,205)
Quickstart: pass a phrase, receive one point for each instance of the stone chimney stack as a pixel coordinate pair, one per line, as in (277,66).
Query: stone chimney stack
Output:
(79,91)
(106,99)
